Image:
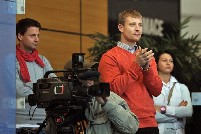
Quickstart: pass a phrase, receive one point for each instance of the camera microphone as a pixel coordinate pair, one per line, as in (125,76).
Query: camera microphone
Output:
(88,75)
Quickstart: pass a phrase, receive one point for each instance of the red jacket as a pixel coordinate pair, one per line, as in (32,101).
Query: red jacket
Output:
(128,80)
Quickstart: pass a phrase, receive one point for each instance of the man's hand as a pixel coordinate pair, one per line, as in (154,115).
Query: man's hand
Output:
(101,100)
(143,57)
(158,108)
(183,103)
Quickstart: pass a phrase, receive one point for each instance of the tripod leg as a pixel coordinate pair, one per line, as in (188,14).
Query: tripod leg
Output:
(41,126)
(51,127)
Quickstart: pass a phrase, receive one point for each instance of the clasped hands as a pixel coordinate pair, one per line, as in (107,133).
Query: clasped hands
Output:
(143,57)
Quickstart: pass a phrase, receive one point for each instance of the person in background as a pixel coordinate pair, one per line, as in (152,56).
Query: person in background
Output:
(109,115)
(30,66)
(173,105)
(132,71)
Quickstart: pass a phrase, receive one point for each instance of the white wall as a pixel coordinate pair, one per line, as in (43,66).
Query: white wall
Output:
(192,8)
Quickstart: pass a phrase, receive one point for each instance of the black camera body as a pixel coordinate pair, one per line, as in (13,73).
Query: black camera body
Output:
(48,90)
(67,92)
(52,92)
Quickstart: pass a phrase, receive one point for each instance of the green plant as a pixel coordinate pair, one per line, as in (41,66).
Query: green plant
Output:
(186,50)
(101,45)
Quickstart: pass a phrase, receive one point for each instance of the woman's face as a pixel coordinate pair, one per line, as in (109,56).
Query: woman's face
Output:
(165,63)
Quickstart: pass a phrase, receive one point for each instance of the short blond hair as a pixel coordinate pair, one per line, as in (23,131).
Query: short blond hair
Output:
(126,13)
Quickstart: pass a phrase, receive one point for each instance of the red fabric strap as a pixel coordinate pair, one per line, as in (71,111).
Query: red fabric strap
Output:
(24,57)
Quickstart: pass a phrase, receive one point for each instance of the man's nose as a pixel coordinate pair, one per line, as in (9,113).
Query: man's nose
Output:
(138,26)
(36,38)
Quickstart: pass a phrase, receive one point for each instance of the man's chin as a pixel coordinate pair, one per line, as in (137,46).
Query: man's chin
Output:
(136,40)
(34,47)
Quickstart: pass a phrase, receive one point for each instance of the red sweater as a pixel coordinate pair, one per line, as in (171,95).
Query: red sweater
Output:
(129,81)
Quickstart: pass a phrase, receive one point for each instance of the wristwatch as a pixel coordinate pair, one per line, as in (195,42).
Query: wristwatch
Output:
(163,109)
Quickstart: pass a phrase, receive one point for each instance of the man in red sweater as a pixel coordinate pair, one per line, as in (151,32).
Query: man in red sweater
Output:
(132,71)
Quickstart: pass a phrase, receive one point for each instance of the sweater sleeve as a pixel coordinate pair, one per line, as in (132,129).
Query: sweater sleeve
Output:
(152,80)
(181,111)
(163,118)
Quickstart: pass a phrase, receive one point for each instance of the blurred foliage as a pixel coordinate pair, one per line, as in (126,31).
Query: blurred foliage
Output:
(187,50)
(101,45)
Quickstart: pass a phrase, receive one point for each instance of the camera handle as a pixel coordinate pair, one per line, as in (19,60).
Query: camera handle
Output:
(55,71)
(64,70)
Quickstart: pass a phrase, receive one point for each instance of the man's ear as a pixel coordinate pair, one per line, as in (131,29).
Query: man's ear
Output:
(120,27)
(19,36)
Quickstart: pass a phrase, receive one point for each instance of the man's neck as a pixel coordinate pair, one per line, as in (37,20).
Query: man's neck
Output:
(26,50)
(131,44)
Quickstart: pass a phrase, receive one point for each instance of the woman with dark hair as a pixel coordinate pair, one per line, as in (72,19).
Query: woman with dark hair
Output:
(173,105)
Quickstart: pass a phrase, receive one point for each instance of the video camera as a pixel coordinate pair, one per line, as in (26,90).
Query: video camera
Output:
(68,91)
(65,98)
